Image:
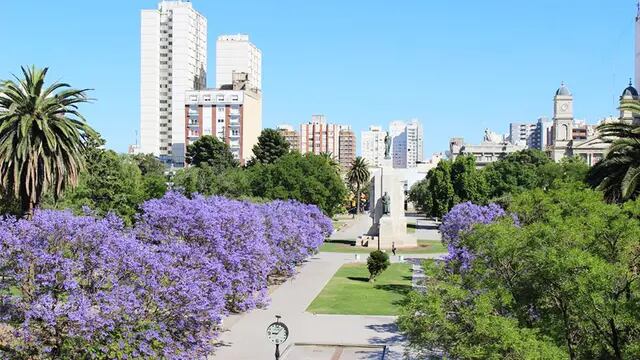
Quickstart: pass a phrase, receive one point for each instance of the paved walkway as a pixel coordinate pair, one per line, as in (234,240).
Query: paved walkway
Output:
(354,228)
(245,334)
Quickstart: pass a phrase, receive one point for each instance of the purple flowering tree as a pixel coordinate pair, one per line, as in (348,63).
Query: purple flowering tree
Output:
(78,287)
(461,219)
(250,241)
(229,232)
(81,287)
(294,231)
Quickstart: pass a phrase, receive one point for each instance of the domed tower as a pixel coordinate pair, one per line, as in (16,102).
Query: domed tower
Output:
(562,114)
(626,116)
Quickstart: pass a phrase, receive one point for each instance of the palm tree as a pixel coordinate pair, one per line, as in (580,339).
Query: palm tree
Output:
(618,173)
(329,158)
(42,137)
(357,176)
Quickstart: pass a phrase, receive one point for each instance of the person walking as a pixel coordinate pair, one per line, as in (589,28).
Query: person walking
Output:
(393,248)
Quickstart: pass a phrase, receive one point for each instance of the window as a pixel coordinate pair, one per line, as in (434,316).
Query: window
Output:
(193,97)
(207,97)
(220,98)
(234,97)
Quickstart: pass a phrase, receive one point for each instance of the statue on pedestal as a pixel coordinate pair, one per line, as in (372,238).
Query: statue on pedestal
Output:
(386,202)
(387,146)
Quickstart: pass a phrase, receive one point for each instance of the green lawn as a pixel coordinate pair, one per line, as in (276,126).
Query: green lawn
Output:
(424,247)
(349,291)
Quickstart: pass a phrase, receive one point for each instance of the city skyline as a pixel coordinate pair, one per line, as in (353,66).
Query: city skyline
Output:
(339,72)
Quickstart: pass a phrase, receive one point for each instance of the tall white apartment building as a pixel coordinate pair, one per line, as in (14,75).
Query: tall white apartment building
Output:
(419,139)
(173,60)
(372,145)
(407,143)
(235,53)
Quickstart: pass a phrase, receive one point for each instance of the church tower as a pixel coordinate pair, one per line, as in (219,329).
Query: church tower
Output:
(626,116)
(562,123)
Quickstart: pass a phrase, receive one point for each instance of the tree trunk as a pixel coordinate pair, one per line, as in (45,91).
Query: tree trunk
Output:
(27,208)
(358,199)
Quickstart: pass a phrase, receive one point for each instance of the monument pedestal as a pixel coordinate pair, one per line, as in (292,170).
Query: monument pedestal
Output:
(392,227)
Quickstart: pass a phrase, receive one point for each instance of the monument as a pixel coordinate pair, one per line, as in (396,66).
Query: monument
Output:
(387,207)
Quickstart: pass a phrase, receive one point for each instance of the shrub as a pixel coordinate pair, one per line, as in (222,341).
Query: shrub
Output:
(377,262)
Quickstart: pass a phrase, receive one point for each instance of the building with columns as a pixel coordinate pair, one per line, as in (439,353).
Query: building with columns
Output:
(569,137)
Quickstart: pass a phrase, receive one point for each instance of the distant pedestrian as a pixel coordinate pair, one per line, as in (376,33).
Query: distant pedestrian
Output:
(393,248)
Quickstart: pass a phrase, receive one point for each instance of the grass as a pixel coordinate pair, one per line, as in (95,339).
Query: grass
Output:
(411,228)
(349,291)
(424,247)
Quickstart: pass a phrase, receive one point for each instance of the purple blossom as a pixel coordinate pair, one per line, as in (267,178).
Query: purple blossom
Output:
(77,286)
(460,220)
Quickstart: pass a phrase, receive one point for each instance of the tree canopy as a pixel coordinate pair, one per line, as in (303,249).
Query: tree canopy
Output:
(211,151)
(561,282)
(270,147)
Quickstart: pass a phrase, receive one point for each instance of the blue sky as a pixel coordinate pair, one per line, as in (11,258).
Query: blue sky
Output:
(458,66)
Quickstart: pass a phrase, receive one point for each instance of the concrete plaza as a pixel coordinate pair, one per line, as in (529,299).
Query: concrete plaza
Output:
(244,335)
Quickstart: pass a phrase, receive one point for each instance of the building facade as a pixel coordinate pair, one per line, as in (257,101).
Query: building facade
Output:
(173,60)
(319,137)
(233,116)
(407,143)
(492,148)
(372,145)
(236,54)
(347,150)
(291,135)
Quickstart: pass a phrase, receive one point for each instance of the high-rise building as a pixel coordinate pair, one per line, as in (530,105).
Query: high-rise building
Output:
(347,151)
(522,133)
(372,145)
(419,140)
(173,60)
(233,115)
(235,53)
(319,137)
(406,143)
(291,135)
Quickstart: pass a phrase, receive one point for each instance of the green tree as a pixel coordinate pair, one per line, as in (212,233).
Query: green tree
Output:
(211,151)
(111,183)
(563,284)
(516,172)
(149,164)
(270,147)
(421,197)
(42,138)
(441,189)
(468,183)
(357,176)
(618,174)
(307,178)
(377,262)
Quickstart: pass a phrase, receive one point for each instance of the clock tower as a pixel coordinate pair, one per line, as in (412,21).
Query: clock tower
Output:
(562,123)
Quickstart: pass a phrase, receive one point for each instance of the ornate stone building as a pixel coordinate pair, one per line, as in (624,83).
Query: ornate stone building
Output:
(566,140)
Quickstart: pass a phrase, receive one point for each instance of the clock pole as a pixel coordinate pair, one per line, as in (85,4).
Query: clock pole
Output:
(278,345)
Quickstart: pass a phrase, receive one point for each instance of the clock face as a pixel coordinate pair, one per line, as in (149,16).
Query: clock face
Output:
(564,107)
(277,333)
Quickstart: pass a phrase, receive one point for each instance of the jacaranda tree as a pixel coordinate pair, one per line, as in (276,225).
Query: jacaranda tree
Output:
(91,288)
(42,137)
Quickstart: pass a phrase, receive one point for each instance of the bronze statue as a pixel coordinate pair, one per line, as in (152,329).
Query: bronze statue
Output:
(387,146)
(386,202)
